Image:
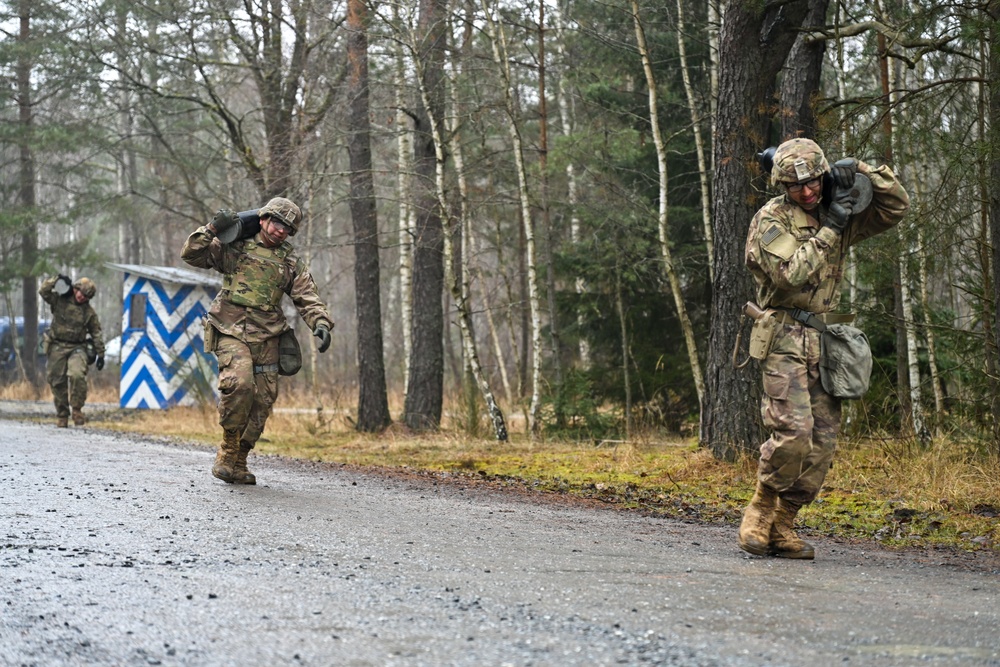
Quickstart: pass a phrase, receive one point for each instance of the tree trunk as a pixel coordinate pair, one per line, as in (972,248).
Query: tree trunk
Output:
(26,196)
(730,421)
(404,152)
(547,230)
(668,262)
(502,61)
(800,84)
(623,330)
(458,280)
(373,403)
(993,199)
(572,198)
(425,391)
(699,142)
(716,10)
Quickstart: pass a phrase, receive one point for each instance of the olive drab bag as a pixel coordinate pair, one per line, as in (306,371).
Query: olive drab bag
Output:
(289,354)
(845,361)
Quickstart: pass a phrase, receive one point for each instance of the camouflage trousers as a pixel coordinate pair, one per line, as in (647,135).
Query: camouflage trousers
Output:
(66,373)
(246,397)
(803,419)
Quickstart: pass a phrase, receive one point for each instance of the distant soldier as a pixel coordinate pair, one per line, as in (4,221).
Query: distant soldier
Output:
(246,327)
(796,251)
(73,342)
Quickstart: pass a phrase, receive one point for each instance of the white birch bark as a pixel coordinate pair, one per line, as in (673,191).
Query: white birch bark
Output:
(668,262)
(407,214)
(716,10)
(699,143)
(566,118)
(909,328)
(929,333)
(499,43)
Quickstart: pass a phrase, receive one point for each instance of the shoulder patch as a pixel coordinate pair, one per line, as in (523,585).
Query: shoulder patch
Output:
(772,233)
(778,242)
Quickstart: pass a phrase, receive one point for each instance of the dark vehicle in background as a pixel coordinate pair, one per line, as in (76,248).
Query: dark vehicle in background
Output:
(8,362)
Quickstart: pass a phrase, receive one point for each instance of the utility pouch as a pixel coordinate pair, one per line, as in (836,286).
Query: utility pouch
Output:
(289,354)
(845,361)
(211,336)
(762,335)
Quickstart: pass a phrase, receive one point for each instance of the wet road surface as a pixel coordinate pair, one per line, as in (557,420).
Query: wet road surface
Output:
(123,550)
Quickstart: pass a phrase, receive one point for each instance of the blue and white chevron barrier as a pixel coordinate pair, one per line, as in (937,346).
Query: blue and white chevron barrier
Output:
(163,360)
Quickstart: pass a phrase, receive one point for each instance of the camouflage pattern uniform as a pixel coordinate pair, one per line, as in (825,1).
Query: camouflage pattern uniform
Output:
(66,340)
(797,263)
(248,319)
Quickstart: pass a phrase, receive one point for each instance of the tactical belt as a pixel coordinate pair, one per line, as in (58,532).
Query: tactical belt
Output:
(817,321)
(265,368)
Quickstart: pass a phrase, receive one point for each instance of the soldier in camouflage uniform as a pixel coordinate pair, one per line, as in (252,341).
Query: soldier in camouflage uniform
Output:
(245,322)
(796,251)
(73,323)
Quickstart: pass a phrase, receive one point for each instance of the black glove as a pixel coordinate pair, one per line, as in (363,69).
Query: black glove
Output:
(100,363)
(323,334)
(223,220)
(844,171)
(838,215)
(63,285)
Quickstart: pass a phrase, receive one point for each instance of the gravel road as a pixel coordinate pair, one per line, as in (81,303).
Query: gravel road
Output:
(124,550)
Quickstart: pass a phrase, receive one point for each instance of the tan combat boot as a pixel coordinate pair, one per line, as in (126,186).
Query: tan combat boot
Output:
(784,542)
(241,475)
(225,459)
(755,528)
(78,418)
(62,422)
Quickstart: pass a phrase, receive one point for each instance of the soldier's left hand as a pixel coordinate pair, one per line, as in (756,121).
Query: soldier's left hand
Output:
(844,171)
(323,334)
(100,363)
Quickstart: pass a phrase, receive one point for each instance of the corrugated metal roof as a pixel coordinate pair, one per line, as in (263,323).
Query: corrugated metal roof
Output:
(170,274)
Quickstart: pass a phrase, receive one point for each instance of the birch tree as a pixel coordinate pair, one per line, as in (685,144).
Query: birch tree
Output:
(501,59)
(662,220)
(699,142)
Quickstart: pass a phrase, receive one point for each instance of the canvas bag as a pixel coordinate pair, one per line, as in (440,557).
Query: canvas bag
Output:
(845,361)
(289,354)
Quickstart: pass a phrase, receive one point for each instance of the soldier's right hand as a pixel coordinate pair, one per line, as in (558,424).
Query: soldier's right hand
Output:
(223,220)
(63,285)
(844,172)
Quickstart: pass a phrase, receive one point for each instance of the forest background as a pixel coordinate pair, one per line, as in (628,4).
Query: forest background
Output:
(523,215)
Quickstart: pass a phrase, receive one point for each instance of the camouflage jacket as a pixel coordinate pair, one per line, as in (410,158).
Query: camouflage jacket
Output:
(255,278)
(71,321)
(797,263)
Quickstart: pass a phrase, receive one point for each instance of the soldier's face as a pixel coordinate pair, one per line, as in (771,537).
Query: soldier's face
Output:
(807,196)
(273,232)
(79,296)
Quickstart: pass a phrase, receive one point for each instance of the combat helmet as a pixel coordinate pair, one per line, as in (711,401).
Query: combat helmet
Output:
(86,286)
(283,210)
(798,160)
